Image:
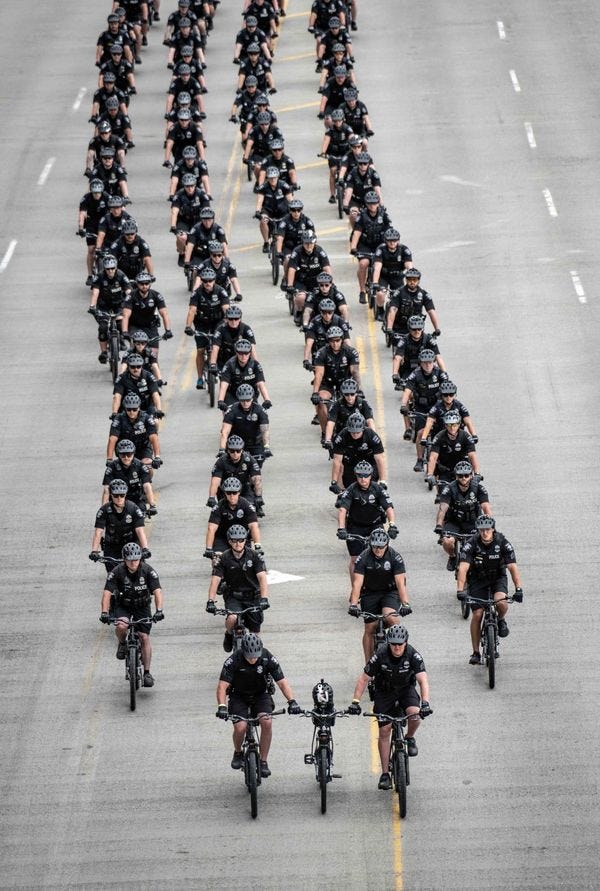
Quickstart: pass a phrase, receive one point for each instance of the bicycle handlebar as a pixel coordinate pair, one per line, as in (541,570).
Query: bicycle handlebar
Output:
(374,616)
(108,560)
(312,714)
(255,721)
(489,601)
(395,720)
(232,612)
(112,620)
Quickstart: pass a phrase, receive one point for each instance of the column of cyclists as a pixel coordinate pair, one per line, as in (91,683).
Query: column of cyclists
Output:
(389,283)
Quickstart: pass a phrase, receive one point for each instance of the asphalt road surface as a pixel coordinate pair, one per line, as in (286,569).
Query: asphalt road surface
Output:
(487,135)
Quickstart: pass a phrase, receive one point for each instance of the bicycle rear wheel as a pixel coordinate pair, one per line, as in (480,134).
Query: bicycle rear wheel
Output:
(400,781)
(132,657)
(252,769)
(339,192)
(490,643)
(249,171)
(323,768)
(113,355)
(211,387)
(274,264)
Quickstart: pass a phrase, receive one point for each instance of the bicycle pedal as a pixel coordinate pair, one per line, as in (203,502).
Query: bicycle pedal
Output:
(309,759)
(336,776)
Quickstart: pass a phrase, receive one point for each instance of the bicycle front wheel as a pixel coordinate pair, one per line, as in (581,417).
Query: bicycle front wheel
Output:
(490,643)
(274,264)
(132,657)
(323,768)
(114,356)
(252,769)
(340,201)
(400,781)
(211,387)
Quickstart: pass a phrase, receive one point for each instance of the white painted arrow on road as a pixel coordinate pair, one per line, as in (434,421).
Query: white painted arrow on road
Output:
(274,577)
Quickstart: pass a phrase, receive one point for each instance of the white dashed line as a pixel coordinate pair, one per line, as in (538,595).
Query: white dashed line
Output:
(578,286)
(530,135)
(501,31)
(45,172)
(515,81)
(7,256)
(80,95)
(550,202)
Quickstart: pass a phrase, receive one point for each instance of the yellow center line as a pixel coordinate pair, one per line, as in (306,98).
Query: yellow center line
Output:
(298,107)
(320,163)
(297,56)
(360,346)
(333,229)
(230,165)
(295,15)
(189,375)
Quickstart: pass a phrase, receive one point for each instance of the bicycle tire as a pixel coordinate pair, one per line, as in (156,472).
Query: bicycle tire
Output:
(400,781)
(248,171)
(323,769)
(340,202)
(274,264)
(113,356)
(291,304)
(132,657)
(491,655)
(465,610)
(252,769)
(211,387)
(407,768)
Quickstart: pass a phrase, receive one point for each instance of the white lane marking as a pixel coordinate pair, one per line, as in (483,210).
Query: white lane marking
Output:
(442,248)
(80,95)
(550,202)
(274,577)
(501,31)
(448,178)
(578,286)
(46,171)
(515,80)
(530,135)
(7,256)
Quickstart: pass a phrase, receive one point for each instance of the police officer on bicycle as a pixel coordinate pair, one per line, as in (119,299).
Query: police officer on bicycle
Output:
(461,502)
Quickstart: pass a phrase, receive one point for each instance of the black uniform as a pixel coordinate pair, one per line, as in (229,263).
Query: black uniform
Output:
(307,266)
(275,199)
(394,680)
(334,93)
(179,40)
(264,14)
(225,271)
(366,510)
(112,226)
(317,329)
(249,684)
(130,255)
(200,236)
(247,424)
(100,97)
(121,70)
(354,450)
(487,564)
(341,409)
(226,336)
(260,70)
(224,517)
(94,211)
(408,349)
(314,298)
(209,312)
(284,165)
(138,430)
(119,528)
(108,38)
(145,386)
(355,117)
(111,177)
(97,143)
(111,296)
(198,169)
(361,185)
(189,207)
(240,585)
(424,389)
(408,301)
(330,39)
(324,10)
(450,452)
(337,366)
(179,85)
(338,142)
(261,140)
(378,587)
(245,37)
(463,507)
(292,230)
(144,313)
(135,476)
(133,11)
(235,374)
(371,228)
(183,136)
(440,408)
(132,592)
(244,469)
(118,121)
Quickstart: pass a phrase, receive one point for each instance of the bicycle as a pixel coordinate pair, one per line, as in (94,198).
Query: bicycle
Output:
(398,765)
(459,538)
(321,755)
(339,185)
(273,256)
(489,632)
(114,339)
(239,629)
(380,638)
(134,669)
(209,377)
(367,255)
(251,755)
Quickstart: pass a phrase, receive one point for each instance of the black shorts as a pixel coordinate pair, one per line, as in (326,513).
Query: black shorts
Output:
(123,612)
(252,621)
(203,339)
(182,226)
(484,590)
(395,703)
(356,547)
(90,238)
(375,601)
(457,528)
(250,706)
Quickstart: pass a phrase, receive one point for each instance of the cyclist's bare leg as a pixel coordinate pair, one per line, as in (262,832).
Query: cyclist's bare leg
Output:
(368,640)
(476,617)
(266,735)
(361,274)
(146,648)
(383,744)
(239,732)
(390,618)
(414,720)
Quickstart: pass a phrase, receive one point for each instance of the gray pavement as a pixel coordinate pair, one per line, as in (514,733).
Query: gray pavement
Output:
(505,789)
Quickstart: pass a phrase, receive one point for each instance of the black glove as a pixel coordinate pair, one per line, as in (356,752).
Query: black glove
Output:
(370,133)
(146,554)
(396,378)
(94,556)
(158,616)
(173,229)
(152,510)
(157,462)
(211,606)
(518,595)
(425,709)
(188,330)
(233,118)
(423,442)
(353,252)
(170,66)
(209,553)
(475,439)
(393,530)
(220,453)
(238,297)
(404,409)
(257,215)
(93,119)
(383,485)
(109,461)
(167,164)
(211,502)
(310,30)
(235,61)
(168,334)
(81,232)
(307,364)
(158,413)
(327,444)
(430,479)
(267,404)
(354,708)
(437,332)
(267,453)
(213,368)
(405,609)
(222,712)
(321,115)
(293,707)
(92,310)
(258,548)
(354,610)
(335,488)
(342,534)
(460,595)
(264,603)
(315,398)
(104,618)
(222,405)
(438,529)
(346,208)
